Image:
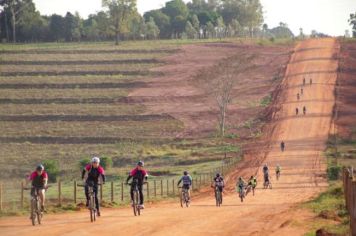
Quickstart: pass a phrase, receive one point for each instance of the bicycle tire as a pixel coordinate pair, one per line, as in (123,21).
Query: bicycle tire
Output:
(181,198)
(91,208)
(33,215)
(186,199)
(134,204)
(138,203)
(38,212)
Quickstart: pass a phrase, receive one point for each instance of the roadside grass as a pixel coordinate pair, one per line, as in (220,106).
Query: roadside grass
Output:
(331,211)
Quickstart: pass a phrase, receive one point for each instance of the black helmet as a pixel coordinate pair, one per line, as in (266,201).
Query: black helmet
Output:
(185,172)
(140,163)
(251,176)
(217,174)
(40,167)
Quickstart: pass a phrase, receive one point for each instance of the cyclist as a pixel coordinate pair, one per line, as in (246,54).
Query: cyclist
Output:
(240,185)
(304,81)
(311,81)
(296,111)
(253,183)
(219,182)
(301,91)
(266,173)
(93,171)
(304,110)
(39,179)
(278,170)
(283,145)
(298,96)
(139,176)
(187,182)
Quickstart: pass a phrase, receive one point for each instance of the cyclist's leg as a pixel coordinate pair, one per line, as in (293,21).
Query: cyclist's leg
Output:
(95,190)
(132,193)
(86,191)
(141,194)
(41,193)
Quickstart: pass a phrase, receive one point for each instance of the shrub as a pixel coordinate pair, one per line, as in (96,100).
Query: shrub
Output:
(106,162)
(83,162)
(334,172)
(52,168)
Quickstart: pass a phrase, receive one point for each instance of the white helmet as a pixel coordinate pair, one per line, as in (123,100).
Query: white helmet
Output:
(95,160)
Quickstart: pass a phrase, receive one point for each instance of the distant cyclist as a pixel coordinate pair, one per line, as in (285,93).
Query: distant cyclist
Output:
(187,182)
(253,183)
(93,171)
(304,110)
(218,181)
(139,176)
(311,81)
(278,171)
(298,96)
(283,145)
(304,81)
(301,91)
(39,180)
(265,173)
(296,111)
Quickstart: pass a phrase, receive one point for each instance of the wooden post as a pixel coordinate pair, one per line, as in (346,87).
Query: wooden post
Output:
(161,187)
(154,185)
(122,191)
(200,181)
(1,197)
(148,190)
(112,191)
(353,210)
(75,192)
(193,185)
(101,193)
(59,193)
(173,186)
(22,194)
(167,188)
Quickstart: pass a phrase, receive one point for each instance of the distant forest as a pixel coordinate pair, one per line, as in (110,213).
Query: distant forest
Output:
(119,20)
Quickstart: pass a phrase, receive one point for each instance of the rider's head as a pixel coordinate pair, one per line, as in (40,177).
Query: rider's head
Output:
(240,178)
(140,165)
(266,165)
(95,161)
(185,172)
(251,176)
(40,168)
(217,174)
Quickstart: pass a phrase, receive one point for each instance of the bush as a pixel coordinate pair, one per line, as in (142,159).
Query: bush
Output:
(83,162)
(106,162)
(334,172)
(52,169)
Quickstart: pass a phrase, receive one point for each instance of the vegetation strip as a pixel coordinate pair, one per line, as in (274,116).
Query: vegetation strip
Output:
(131,51)
(39,118)
(73,86)
(76,73)
(87,62)
(66,101)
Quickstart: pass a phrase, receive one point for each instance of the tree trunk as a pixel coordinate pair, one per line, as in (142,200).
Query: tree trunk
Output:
(6,28)
(13,16)
(117,38)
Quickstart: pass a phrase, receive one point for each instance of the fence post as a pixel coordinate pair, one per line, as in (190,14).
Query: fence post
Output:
(75,192)
(161,187)
(173,186)
(59,193)
(193,185)
(1,197)
(122,191)
(353,210)
(22,194)
(112,191)
(154,185)
(148,190)
(200,181)
(167,188)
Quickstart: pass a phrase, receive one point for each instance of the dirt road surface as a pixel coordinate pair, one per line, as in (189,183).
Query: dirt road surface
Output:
(269,212)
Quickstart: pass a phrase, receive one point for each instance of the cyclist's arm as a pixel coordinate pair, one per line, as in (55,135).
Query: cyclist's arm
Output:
(128,178)
(83,173)
(191,180)
(179,181)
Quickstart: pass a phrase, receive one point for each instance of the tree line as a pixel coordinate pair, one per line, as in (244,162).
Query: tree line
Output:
(20,21)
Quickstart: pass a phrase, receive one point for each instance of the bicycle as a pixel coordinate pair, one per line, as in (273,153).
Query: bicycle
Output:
(278,174)
(91,206)
(136,198)
(267,184)
(36,212)
(218,196)
(242,193)
(184,197)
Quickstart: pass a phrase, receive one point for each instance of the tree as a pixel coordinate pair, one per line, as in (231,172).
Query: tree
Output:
(352,22)
(152,30)
(210,28)
(220,81)
(178,13)
(190,31)
(196,24)
(120,11)
(73,27)
(162,21)
(251,15)
(220,27)
(301,33)
(57,27)
(235,25)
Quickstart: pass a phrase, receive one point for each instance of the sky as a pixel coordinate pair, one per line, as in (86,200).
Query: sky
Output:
(326,16)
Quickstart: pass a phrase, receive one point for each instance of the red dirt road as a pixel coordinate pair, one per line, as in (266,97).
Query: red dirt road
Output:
(270,212)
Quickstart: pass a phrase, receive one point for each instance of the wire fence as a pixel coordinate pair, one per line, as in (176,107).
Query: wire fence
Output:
(349,183)
(13,197)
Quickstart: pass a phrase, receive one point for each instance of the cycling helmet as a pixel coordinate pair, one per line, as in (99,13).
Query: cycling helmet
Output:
(251,176)
(140,163)
(240,178)
(95,160)
(217,174)
(185,172)
(40,167)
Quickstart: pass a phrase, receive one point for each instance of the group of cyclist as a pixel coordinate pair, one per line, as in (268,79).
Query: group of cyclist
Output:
(93,171)
(301,93)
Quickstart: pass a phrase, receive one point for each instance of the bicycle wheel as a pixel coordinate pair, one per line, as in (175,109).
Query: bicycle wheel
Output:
(138,203)
(38,212)
(186,197)
(221,198)
(92,208)
(33,214)
(134,204)
(217,200)
(181,196)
